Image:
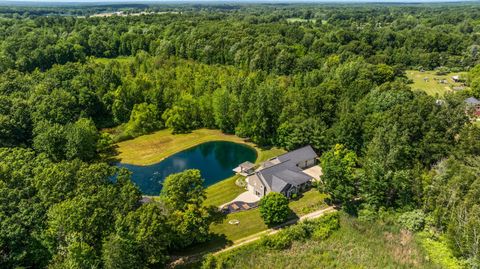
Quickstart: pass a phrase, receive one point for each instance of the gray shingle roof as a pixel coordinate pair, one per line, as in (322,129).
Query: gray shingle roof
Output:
(298,155)
(278,185)
(247,165)
(286,173)
(293,177)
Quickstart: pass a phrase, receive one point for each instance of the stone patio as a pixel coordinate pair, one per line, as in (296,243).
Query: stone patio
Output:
(246,200)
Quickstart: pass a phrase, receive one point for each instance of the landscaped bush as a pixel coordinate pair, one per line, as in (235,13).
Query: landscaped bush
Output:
(412,220)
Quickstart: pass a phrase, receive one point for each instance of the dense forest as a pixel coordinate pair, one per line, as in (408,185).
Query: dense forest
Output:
(287,76)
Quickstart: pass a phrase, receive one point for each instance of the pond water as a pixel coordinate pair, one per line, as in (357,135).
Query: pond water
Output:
(215,160)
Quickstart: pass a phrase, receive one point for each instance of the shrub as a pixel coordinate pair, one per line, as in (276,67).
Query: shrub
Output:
(325,226)
(367,213)
(284,238)
(412,220)
(274,208)
(279,241)
(320,228)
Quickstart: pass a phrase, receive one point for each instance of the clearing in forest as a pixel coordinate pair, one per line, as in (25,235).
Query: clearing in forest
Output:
(433,84)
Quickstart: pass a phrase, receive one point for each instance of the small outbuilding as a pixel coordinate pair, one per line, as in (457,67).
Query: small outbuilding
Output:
(245,168)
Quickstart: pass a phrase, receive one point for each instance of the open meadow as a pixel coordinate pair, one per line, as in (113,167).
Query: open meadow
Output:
(433,84)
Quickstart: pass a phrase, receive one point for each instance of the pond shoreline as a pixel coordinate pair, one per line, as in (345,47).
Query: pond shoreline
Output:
(153,148)
(214,159)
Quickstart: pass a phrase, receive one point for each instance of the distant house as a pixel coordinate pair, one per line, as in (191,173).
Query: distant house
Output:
(284,174)
(472,107)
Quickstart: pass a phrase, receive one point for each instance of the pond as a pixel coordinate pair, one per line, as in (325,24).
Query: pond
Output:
(215,160)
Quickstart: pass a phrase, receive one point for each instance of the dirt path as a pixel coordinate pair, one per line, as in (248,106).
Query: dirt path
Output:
(252,238)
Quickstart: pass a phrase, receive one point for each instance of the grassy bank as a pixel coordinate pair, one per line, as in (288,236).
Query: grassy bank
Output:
(355,245)
(152,148)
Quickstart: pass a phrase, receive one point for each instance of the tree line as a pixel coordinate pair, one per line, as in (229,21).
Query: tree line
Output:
(254,38)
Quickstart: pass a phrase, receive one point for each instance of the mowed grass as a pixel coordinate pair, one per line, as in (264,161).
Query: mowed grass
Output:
(152,148)
(293,20)
(252,223)
(355,245)
(431,86)
(223,191)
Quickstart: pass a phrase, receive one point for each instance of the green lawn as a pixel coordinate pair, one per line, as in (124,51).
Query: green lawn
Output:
(251,222)
(310,201)
(223,191)
(293,20)
(431,86)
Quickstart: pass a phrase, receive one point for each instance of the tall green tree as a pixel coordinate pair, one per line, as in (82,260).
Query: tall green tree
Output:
(181,189)
(339,176)
(82,137)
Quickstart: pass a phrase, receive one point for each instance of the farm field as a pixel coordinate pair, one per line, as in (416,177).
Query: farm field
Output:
(429,82)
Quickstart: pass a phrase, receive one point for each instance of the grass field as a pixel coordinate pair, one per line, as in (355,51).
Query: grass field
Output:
(355,245)
(428,82)
(223,191)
